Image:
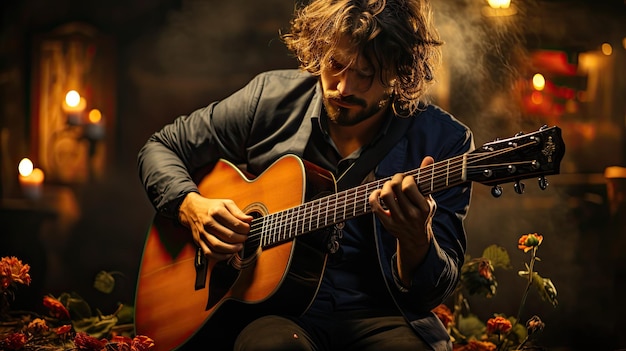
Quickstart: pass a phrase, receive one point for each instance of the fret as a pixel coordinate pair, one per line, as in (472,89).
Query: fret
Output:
(263,231)
(335,211)
(432,178)
(353,202)
(448,172)
(319,208)
(272,234)
(295,223)
(285,221)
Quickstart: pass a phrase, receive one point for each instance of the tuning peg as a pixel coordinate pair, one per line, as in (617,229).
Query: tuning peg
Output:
(519,187)
(543,182)
(496,191)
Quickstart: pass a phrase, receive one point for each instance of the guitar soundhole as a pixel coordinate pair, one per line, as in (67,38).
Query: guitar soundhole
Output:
(253,243)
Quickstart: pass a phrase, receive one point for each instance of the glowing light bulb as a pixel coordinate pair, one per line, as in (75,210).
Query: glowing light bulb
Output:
(607,49)
(539,82)
(499,4)
(72,98)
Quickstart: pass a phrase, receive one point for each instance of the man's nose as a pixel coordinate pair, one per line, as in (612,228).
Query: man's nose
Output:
(347,84)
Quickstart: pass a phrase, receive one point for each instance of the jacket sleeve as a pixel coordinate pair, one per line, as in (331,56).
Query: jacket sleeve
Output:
(438,274)
(171,156)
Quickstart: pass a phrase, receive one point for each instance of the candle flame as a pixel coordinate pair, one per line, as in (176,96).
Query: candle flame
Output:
(95,116)
(539,82)
(25,167)
(72,98)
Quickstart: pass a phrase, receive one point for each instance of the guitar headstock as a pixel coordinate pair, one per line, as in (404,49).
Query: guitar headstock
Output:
(520,157)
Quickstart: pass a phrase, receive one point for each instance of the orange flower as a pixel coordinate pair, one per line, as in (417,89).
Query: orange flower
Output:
(15,341)
(12,271)
(498,325)
(528,241)
(37,326)
(445,315)
(475,345)
(535,325)
(56,308)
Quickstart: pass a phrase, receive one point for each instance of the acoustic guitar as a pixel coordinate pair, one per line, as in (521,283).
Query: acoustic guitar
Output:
(186,301)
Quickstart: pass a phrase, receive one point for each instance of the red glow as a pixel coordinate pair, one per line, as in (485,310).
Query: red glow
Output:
(554,62)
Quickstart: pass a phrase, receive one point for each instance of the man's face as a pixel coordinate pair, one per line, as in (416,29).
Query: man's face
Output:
(353,91)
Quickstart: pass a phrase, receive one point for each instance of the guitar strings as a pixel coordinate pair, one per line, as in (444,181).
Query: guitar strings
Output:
(282,225)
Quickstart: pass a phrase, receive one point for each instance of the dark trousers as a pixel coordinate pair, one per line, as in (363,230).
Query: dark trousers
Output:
(336,331)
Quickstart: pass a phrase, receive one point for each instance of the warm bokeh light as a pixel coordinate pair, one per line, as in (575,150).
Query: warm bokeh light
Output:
(95,116)
(536,97)
(624,43)
(72,98)
(539,82)
(607,49)
(25,167)
(499,4)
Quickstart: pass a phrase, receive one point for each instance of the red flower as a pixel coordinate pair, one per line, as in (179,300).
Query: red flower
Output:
(142,343)
(498,325)
(121,343)
(15,341)
(56,308)
(485,269)
(139,343)
(529,241)
(63,330)
(85,342)
(445,315)
(12,271)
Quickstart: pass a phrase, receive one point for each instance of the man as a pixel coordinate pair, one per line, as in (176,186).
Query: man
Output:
(364,67)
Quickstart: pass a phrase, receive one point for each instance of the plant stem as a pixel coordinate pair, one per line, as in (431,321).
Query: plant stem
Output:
(531,266)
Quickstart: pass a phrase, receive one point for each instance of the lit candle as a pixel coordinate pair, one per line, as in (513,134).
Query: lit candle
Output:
(74,105)
(94,130)
(31,179)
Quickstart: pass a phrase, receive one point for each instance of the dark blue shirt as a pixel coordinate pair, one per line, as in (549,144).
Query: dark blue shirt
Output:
(352,280)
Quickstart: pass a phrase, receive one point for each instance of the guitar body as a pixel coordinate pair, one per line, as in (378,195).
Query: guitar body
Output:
(283,278)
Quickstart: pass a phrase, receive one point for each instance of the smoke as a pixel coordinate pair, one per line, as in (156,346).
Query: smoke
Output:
(483,56)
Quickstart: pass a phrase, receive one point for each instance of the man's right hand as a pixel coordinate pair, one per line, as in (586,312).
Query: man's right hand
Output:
(218,226)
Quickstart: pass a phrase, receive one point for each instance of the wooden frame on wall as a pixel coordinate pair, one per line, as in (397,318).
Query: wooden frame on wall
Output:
(75,56)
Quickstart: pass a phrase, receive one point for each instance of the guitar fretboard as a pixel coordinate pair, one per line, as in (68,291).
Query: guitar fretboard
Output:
(335,208)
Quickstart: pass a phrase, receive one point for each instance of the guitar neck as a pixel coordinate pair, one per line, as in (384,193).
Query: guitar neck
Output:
(338,207)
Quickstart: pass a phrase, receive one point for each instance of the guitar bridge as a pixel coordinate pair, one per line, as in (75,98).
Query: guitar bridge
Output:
(201,266)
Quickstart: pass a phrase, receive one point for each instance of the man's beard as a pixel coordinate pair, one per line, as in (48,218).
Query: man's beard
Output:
(346,117)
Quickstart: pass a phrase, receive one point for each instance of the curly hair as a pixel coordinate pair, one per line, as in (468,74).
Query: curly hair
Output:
(398,35)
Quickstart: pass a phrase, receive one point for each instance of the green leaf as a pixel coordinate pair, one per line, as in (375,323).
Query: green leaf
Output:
(518,333)
(546,288)
(98,327)
(104,282)
(126,314)
(498,256)
(470,325)
(76,305)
